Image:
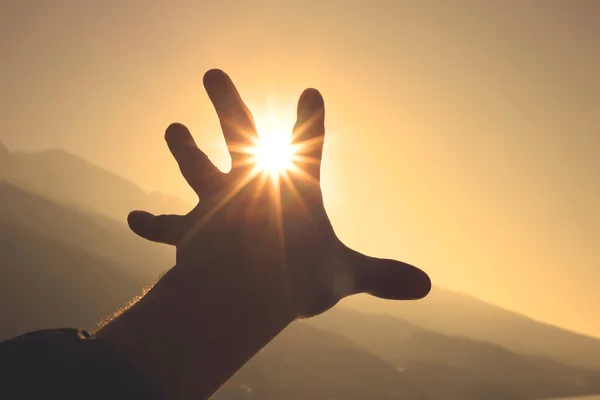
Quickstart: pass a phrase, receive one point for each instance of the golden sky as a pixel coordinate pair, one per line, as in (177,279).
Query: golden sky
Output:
(463,136)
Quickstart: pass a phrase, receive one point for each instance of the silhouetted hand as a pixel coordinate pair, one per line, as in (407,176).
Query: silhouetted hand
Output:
(274,230)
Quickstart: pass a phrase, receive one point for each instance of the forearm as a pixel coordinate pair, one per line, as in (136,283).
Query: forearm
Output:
(190,337)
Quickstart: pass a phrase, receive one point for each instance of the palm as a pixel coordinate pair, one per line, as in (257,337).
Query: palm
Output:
(275,230)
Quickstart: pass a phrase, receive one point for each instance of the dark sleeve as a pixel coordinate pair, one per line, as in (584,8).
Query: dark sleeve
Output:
(68,364)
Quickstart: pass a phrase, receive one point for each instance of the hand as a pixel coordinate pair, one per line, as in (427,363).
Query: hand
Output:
(274,230)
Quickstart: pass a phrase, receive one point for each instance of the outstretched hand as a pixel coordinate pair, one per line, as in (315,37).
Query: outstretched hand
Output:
(273,230)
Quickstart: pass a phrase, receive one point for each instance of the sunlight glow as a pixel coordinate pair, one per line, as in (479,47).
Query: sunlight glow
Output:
(273,153)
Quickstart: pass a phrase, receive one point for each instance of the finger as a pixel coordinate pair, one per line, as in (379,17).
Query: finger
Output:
(236,120)
(309,132)
(388,279)
(169,229)
(195,166)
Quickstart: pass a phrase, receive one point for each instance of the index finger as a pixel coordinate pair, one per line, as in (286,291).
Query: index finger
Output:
(236,120)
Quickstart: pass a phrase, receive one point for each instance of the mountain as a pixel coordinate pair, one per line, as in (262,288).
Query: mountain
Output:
(304,362)
(448,365)
(344,354)
(96,234)
(62,176)
(461,315)
(49,284)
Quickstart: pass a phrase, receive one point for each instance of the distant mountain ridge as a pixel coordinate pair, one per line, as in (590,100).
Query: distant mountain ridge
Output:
(448,363)
(96,234)
(463,315)
(73,180)
(305,362)
(49,284)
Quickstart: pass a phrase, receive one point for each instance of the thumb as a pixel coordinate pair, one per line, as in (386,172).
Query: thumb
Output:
(388,279)
(168,229)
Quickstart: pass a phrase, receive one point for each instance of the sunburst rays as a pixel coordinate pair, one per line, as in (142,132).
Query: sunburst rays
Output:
(273,158)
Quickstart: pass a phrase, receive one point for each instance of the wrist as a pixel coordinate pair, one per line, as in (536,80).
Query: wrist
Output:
(193,330)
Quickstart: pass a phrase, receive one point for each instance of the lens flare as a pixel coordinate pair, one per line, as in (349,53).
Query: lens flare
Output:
(273,152)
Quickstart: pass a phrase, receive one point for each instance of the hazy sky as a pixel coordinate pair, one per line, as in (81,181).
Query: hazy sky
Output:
(463,136)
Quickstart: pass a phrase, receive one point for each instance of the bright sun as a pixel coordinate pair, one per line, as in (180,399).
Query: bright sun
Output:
(273,152)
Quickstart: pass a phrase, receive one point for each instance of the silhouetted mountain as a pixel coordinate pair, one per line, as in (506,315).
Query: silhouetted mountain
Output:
(46,284)
(308,363)
(95,234)
(66,177)
(458,314)
(447,364)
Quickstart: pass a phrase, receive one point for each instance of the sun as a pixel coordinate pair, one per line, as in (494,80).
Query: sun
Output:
(272,152)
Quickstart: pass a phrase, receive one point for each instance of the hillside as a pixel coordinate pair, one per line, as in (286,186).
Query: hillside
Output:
(458,314)
(308,363)
(449,363)
(95,234)
(62,176)
(46,284)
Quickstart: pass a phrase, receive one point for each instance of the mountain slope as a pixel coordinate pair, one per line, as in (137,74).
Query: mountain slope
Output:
(66,177)
(457,314)
(48,284)
(304,362)
(97,235)
(449,364)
